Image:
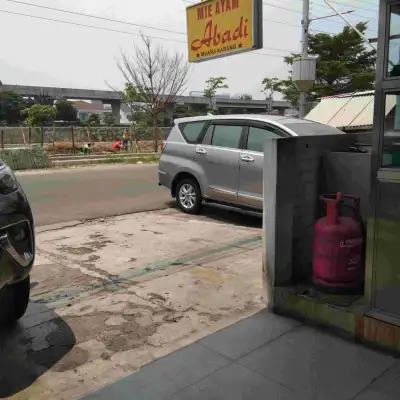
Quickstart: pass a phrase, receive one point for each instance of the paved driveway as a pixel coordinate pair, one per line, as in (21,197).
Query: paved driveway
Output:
(113,294)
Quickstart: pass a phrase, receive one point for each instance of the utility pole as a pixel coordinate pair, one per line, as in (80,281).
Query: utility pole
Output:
(305,22)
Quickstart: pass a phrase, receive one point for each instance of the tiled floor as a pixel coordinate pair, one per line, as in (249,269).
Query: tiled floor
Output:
(264,357)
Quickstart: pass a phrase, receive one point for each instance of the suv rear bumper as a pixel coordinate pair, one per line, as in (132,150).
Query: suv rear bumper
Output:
(164,179)
(17,238)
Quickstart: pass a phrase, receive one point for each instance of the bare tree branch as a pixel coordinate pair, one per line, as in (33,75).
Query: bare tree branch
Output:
(157,75)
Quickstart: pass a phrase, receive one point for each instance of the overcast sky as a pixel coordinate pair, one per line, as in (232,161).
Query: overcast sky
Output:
(46,53)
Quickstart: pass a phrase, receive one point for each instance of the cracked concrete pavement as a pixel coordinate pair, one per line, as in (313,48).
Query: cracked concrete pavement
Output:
(111,295)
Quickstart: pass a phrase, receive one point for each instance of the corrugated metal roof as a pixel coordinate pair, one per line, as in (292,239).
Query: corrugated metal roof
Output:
(366,117)
(327,109)
(354,111)
(354,94)
(350,111)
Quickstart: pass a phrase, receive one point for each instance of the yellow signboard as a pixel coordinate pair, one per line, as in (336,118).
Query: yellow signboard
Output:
(218,28)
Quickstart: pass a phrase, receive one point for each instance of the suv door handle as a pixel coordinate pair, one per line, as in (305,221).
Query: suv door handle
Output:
(201,151)
(247,158)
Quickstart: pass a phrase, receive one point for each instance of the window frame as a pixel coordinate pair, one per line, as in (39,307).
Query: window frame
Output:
(182,125)
(388,12)
(262,125)
(225,122)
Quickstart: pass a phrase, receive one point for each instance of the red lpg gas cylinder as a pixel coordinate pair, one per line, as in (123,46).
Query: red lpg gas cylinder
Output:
(338,246)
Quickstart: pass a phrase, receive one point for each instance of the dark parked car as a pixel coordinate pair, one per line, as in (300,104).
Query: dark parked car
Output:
(17,248)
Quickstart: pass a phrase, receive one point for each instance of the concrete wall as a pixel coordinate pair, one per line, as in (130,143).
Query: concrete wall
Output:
(292,178)
(348,173)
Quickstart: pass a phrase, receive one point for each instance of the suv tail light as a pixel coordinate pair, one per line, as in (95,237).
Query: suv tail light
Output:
(163,144)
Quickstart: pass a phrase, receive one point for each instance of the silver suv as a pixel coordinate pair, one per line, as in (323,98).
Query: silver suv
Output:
(219,159)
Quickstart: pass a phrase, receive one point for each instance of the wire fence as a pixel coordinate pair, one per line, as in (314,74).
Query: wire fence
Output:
(23,136)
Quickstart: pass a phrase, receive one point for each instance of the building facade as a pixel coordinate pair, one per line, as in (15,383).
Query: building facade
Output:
(365,306)
(85,108)
(383,263)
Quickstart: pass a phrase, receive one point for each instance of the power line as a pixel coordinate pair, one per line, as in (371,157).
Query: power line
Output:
(281,8)
(88,26)
(113,20)
(327,8)
(368,3)
(348,5)
(138,34)
(286,9)
(343,23)
(95,17)
(264,2)
(124,32)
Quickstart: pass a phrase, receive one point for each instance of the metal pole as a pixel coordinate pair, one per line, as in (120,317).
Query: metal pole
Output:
(350,24)
(305,22)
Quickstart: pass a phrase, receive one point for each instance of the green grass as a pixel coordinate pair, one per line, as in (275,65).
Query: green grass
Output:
(127,160)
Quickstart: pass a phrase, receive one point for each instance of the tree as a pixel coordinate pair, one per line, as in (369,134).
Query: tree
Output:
(245,96)
(65,111)
(93,119)
(290,92)
(44,99)
(343,65)
(182,111)
(129,97)
(158,76)
(212,85)
(11,106)
(271,85)
(39,115)
(108,119)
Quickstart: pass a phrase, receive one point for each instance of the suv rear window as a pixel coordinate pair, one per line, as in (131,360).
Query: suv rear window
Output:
(191,130)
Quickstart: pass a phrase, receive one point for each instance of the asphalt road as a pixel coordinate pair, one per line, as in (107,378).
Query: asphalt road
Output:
(65,195)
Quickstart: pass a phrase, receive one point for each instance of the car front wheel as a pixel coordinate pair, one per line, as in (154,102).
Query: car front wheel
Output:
(14,300)
(189,196)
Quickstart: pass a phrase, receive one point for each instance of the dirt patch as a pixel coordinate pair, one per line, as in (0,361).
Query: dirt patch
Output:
(132,335)
(96,236)
(93,258)
(98,244)
(87,327)
(74,359)
(154,232)
(172,318)
(77,251)
(105,356)
(212,317)
(156,296)
(50,277)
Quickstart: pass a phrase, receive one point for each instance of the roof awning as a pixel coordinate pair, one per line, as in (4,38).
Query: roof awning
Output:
(348,112)
(326,109)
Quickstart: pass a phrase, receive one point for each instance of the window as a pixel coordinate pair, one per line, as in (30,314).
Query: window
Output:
(227,136)
(208,136)
(391,139)
(257,137)
(393,66)
(191,130)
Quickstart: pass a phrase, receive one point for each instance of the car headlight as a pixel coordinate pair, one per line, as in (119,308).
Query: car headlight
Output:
(8,181)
